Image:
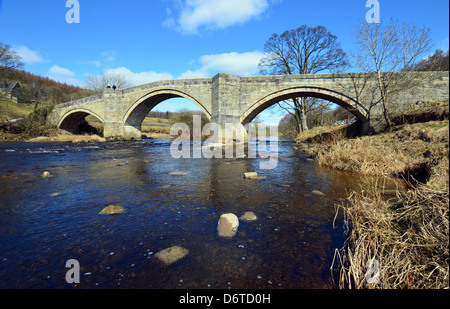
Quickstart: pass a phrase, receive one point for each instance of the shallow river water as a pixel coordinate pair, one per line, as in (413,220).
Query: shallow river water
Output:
(45,222)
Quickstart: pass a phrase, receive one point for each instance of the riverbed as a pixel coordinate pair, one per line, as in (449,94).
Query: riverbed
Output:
(46,221)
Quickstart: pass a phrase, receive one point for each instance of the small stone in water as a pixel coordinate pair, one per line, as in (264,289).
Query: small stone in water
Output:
(46,174)
(172,254)
(112,210)
(248,216)
(317,192)
(178,173)
(250,175)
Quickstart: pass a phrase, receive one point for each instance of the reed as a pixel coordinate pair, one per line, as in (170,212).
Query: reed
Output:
(407,236)
(401,242)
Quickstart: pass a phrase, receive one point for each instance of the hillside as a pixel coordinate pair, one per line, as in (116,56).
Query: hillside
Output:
(42,91)
(26,78)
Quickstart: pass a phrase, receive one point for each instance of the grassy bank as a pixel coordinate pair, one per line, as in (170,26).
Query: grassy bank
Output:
(408,235)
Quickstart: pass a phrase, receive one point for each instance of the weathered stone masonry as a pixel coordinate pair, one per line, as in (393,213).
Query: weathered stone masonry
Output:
(229,98)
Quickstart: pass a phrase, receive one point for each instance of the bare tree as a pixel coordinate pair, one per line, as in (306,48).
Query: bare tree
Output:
(390,50)
(37,94)
(99,82)
(439,61)
(304,50)
(8,59)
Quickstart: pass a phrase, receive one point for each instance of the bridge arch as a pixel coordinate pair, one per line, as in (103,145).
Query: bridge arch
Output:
(137,112)
(295,92)
(72,120)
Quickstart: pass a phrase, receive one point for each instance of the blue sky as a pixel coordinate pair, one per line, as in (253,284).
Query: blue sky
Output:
(165,39)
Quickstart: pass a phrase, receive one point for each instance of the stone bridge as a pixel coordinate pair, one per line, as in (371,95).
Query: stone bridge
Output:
(234,99)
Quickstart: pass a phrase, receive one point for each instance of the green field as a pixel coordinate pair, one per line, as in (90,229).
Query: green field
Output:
(160,125)
(10,110)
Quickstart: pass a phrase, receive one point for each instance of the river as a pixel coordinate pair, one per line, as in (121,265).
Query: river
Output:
(46,221)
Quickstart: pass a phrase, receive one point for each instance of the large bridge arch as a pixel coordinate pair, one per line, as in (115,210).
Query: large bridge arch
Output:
(139,109)
(71,120)
(294,92)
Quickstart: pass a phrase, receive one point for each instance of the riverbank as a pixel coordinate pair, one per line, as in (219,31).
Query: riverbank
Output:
(402,242)
(64,137)
(45,134)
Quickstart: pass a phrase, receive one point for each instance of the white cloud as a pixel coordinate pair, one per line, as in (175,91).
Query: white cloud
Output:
(194,74)
(140,77)
(28,56)
(243,64)
(64,75)
(197,15)
(60,71)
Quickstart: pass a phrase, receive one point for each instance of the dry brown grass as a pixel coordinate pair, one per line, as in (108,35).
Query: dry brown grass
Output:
(408,238)
(391,153)
(361,156)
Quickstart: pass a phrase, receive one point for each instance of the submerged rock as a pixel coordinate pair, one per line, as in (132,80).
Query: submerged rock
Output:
(171,255)
(248,216)
(178,173)
(112,210)
(250,175)
(46,174)
(228,225)
(318,193)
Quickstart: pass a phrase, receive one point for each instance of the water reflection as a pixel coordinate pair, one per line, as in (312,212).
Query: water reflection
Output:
(46,221)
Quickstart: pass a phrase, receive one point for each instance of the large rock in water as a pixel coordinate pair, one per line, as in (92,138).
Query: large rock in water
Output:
(171,255)
(228,225)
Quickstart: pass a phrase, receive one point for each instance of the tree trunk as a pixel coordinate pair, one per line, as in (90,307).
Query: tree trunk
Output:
(304,122)
(300,115)
(298,121)
(383,99)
